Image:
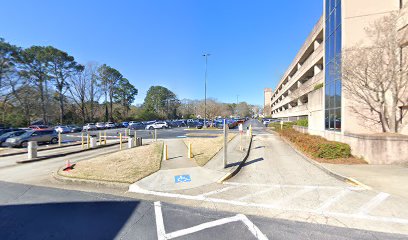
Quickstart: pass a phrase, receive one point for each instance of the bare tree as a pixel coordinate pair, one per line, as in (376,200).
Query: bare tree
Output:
(375,76)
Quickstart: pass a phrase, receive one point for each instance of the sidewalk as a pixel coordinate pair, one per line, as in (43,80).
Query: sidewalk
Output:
(391,179)
(166,179)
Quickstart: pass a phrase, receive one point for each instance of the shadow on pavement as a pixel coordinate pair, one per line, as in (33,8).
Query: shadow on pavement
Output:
(72,220)
(245,164)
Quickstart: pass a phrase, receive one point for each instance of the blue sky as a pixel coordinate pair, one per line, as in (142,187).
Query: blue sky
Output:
(155,42)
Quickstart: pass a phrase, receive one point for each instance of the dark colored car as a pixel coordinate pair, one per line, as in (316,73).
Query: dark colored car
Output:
(3,131)
(75,128)
(124,124)
(39,127)
(179,123)
(4,136)
(136,126)
(196,124)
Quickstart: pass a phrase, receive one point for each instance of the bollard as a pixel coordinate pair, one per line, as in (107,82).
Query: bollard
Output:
(130,142)
(82,140)
(139,142)
(92,142)
(105,137)
(59,139)
(88,141)
(134,136)
(190,150)
(32,150)
(100,138)
(165,152)
(120,141)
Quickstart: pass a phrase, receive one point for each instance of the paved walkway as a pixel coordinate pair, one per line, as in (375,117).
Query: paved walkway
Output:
(388,178)
(178,166)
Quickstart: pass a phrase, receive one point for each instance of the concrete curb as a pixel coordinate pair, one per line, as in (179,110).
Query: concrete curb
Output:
(40,150)
(324,169)
(65,154)
(96,183)
(236,169)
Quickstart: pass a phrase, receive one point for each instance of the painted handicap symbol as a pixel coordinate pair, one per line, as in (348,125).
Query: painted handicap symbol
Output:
(182,178)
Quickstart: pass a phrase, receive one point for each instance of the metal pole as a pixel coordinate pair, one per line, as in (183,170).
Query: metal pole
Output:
(225,143)
(155,135)
(120,141)
(59,139)
(82,140)
(205,89)
(135,138)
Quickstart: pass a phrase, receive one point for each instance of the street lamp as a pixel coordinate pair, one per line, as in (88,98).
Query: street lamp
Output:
(206,55)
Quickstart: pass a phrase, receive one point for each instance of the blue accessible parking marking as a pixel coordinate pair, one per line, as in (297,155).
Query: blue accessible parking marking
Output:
(182,178)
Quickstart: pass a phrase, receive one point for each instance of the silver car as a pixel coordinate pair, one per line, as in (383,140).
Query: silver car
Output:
(40,136)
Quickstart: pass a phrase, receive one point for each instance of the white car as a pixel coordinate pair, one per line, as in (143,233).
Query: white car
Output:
(89,127)
(157,125)
(62,129)
(100,125)
(110,125)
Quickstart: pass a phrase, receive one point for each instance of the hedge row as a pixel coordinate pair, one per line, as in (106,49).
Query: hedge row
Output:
(316,146)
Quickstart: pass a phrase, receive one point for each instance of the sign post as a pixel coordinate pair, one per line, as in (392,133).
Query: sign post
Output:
(241,130)
(225,143)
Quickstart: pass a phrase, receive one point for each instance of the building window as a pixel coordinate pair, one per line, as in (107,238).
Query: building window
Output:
(333,61)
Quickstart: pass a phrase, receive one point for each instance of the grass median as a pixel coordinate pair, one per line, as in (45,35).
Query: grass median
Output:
(127,166)
(205,148)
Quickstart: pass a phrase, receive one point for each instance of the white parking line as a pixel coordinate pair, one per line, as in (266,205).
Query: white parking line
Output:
(325,205)
(294,195)
(161,232)
(255,194)
(136,189)
(292,186)
(373,203)
(162,235)
(217,191)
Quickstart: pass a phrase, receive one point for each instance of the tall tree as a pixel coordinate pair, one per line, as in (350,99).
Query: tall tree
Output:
(61,67)
(34,66)
(125,94)
(8,62)
(109,78)
(160,100)
(375,77)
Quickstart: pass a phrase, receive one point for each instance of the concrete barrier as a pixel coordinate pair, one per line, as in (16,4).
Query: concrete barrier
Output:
(32,150)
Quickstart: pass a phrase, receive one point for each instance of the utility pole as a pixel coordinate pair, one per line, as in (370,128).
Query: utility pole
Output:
(206,55)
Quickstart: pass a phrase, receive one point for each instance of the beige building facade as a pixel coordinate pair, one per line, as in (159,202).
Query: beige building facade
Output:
(309,90)
(267,101)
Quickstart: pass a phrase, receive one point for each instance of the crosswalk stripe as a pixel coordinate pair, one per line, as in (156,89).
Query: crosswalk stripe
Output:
(217,191)
(255,194)
(373,203)
(294,195)
(325,205)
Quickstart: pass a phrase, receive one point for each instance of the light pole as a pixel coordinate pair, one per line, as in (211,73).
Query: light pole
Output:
(206,55)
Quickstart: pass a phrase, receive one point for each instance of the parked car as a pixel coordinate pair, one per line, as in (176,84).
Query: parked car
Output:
(157,125)
(7,135)
(40,136)
(195,124)
(62,129)
(6,130)
(124,124)
(136,126)
(89,127)
(110,125)
(75,128)
(100,125)
(39,127)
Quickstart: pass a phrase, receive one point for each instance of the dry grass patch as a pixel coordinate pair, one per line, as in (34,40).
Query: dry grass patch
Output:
(205,148)
(127,166)
(202,134)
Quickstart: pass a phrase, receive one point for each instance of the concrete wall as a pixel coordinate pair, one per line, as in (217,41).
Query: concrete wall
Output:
(375,149)
(267,101)
(316,112)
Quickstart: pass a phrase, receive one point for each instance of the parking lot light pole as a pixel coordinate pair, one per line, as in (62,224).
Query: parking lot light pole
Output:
(206,55)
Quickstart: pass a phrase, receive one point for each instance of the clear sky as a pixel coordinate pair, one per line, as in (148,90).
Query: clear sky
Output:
(155,42)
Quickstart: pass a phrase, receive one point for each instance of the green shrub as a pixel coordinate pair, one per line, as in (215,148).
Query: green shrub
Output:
(332,150)
(277,125)
(317,86)
(302,122)
(316,146)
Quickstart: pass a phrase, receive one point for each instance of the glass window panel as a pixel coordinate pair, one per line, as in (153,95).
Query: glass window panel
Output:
(327,51)
(332,2)
(326,119)
(327,8)
(332,94)
(331,47)
(337,101)
(338,15)
(338,41)
(327,96)
(338,3)
(337,120)
(330,72)
(332,22)
(331,118)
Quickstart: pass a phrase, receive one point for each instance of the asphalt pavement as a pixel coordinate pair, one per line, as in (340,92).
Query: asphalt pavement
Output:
(33,212)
